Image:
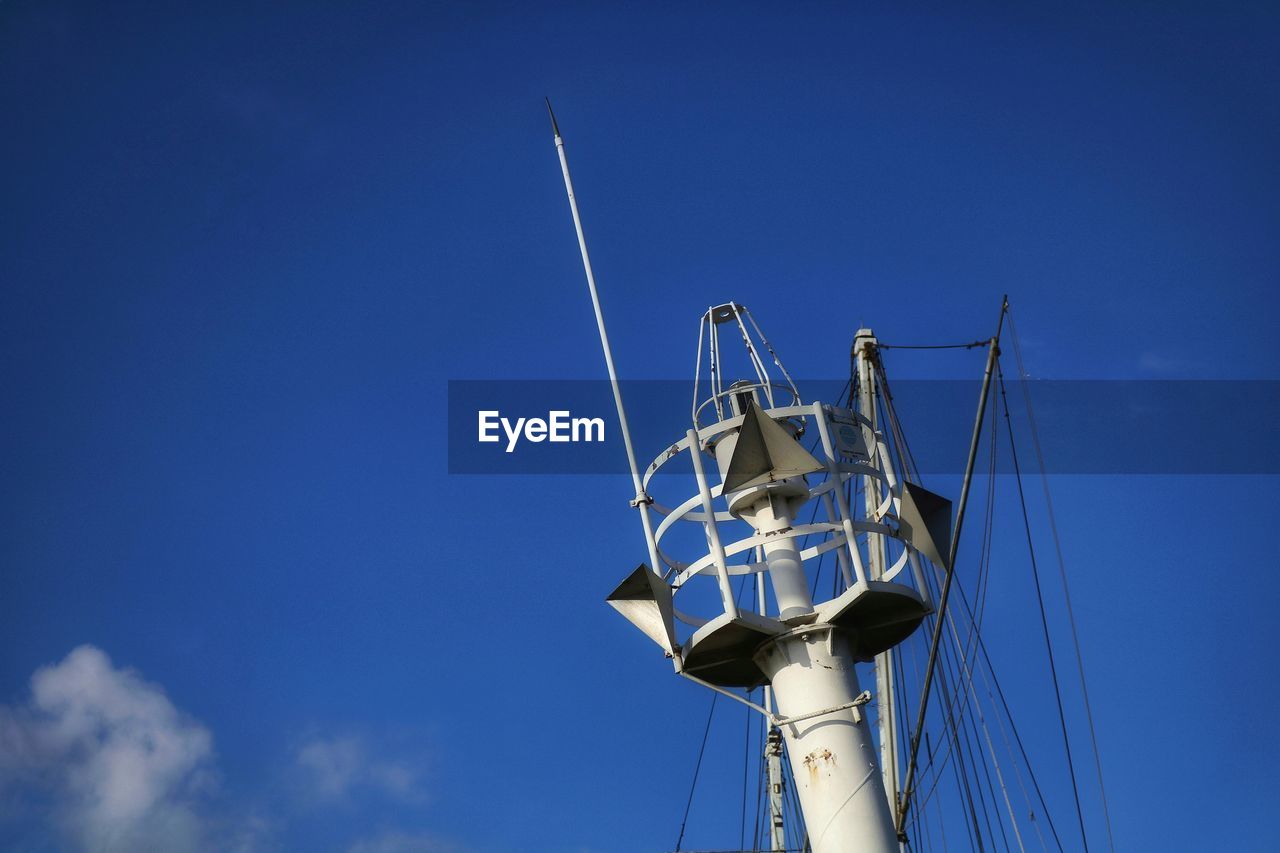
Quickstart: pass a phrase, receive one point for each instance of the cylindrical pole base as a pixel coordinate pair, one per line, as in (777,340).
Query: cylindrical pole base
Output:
(833,758)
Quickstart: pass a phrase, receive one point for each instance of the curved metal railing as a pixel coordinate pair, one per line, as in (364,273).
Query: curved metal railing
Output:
(840,531)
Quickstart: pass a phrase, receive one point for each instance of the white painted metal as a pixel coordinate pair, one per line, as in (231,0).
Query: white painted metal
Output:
(771,516)
(773,763)
(772,747)
(764,385)
(729,694)
(864,346)
(832,755)
(769,347)
(641,500)
(713,533)
(805,662)
(842,554)
(846,518)
(805,657)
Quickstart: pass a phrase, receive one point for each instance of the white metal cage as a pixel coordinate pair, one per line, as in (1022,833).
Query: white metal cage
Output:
(880,595)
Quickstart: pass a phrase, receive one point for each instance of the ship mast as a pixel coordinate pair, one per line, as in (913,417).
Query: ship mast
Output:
(864,353)
(772,750)
(754,430)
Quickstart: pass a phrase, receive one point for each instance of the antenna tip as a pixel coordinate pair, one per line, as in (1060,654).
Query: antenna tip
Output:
(555,128)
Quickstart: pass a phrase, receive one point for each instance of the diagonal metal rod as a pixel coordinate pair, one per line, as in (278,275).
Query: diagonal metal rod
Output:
(993,352)
(641,500)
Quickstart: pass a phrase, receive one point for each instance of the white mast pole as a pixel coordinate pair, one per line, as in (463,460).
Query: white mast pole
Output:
(772,745)
(805,654)
(641,500)
(865,344)
(773,759)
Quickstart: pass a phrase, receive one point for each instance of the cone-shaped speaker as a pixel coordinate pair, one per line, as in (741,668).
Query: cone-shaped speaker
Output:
(645,600)
(926,523)
(765,453)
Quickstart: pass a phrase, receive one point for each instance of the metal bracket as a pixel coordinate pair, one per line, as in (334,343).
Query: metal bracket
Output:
(730,694)
(640,500)
(863,698)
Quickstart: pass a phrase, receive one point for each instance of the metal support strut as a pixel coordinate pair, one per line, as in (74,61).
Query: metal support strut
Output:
(993,352)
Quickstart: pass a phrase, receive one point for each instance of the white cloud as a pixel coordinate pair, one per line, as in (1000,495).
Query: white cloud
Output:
(399,842)
(332,768)
(117,765)
(100,760)
(251,834)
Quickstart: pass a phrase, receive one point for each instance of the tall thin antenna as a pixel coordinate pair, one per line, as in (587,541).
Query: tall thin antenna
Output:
(641,500)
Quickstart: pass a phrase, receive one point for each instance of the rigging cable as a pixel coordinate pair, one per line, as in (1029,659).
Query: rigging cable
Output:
(973,345)
(983,583)
(951,719)
(901,686)
(908,784)
(964,746)
(1017,737)
(995,762)
(1044,619)
(697,768)
(942,824)
(746,759)
(930,766)
(757,833)
(961,674)
(975,636)
(971,740)
(960,739)
(905,457)
(1062,571)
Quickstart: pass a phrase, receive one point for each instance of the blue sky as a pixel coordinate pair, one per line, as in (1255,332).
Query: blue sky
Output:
(246,247)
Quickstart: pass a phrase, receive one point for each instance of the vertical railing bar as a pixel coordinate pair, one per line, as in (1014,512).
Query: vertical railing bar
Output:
(713,534)
(762,373)
(846,520)
(697,373)
(841,555)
